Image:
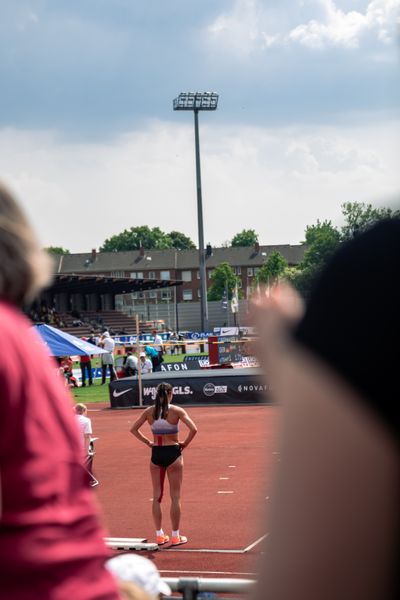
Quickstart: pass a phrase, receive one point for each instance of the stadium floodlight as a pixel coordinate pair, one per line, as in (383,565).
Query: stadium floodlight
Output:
(197,101)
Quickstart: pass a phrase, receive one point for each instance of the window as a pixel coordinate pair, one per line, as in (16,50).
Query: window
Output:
(238,270)
(151,275)
(256,269)
(134,295)
(199,293)
(117,273)
(210,273)
(137,274)
(187,295)
(198,274)
(186,276)
(239,284)
(165,275)
(153,294)
(166,295)
(250,271)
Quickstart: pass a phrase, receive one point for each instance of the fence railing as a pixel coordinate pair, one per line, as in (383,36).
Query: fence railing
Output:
(192,587)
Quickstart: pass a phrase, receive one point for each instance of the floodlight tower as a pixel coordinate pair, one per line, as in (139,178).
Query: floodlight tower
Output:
(197,101)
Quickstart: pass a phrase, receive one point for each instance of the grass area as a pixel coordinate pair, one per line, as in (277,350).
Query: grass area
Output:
(92,393)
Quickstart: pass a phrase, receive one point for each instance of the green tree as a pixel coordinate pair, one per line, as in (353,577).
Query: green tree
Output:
(322,240)
(136,237)
(273,268)
(222,277)
(247,237)
(180,241)
(360,216)
(57,250)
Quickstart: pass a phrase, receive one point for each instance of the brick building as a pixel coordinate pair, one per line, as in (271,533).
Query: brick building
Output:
(173,264)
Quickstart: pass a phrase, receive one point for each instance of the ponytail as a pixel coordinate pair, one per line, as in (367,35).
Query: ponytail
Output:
(161,401)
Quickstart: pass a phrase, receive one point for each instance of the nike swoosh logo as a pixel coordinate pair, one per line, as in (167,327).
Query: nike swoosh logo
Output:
(116,394)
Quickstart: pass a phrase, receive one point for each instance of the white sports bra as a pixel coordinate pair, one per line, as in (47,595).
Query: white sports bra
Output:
(163,427)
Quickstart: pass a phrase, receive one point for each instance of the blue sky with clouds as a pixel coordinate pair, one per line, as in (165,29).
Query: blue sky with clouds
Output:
(308,115)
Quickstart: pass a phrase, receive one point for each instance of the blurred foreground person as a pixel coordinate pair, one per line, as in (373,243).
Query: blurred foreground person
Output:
(141,573)
(334,520)
(51,543)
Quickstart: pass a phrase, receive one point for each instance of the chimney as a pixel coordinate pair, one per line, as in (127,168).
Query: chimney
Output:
(141,251)
(256,247)
(94,253)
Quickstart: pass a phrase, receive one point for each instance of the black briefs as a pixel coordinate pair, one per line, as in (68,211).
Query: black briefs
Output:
(164,456)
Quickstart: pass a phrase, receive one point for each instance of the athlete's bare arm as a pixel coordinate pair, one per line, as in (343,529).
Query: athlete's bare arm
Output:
(184,417)
(135,429)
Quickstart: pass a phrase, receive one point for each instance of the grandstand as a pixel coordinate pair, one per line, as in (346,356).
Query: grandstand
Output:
(113,320)
(80,304)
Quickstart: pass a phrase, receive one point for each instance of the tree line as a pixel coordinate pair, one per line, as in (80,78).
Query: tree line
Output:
(153,238)
(321,240)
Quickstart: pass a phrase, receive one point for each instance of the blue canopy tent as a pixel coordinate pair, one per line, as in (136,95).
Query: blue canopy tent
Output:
(60,343)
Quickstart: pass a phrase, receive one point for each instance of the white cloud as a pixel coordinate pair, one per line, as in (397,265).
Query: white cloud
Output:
(251,26)
(340,28)
(240,28)
(273,180)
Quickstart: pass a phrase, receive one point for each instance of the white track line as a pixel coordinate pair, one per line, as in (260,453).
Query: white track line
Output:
(202,550)
(225,492)
(256,542)
(209,572)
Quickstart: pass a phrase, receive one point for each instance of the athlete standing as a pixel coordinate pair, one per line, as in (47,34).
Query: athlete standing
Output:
(166,456)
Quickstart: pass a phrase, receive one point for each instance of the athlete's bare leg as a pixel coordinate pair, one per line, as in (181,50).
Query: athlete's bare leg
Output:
(156,505)
(175,473)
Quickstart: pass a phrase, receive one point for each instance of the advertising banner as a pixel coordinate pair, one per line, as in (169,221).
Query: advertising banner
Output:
(241,386)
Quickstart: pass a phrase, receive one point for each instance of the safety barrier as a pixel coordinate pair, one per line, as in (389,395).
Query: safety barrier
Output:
(192,588)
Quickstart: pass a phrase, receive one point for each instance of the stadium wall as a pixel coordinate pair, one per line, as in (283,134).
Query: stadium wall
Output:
(189,314)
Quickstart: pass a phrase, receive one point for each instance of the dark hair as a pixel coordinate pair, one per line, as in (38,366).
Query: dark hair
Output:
(161,402)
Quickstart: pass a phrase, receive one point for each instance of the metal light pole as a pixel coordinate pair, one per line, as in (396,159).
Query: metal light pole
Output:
(197,101)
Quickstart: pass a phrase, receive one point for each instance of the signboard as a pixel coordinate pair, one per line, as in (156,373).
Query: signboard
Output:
(242,331)
(220,386)
(171,367)
(229,350)
(147,337)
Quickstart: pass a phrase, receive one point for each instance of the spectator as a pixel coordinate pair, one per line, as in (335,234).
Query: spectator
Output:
(174,347)
(158,346)
(334,520)
(145,365)
(107,360)
(85,427)
(86,367)
(130,363)
(153,354)
(67,364)
(51,540)
(140,571)
(92,339)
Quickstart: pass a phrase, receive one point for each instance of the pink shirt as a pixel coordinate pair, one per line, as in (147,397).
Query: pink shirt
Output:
(51,542)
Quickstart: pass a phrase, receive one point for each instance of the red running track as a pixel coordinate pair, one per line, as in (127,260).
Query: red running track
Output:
(227,483)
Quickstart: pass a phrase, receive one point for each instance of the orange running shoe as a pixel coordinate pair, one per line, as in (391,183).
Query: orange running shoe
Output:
(177,541)
(162,539)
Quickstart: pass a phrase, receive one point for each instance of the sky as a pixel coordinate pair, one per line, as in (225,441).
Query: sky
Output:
(308,114)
